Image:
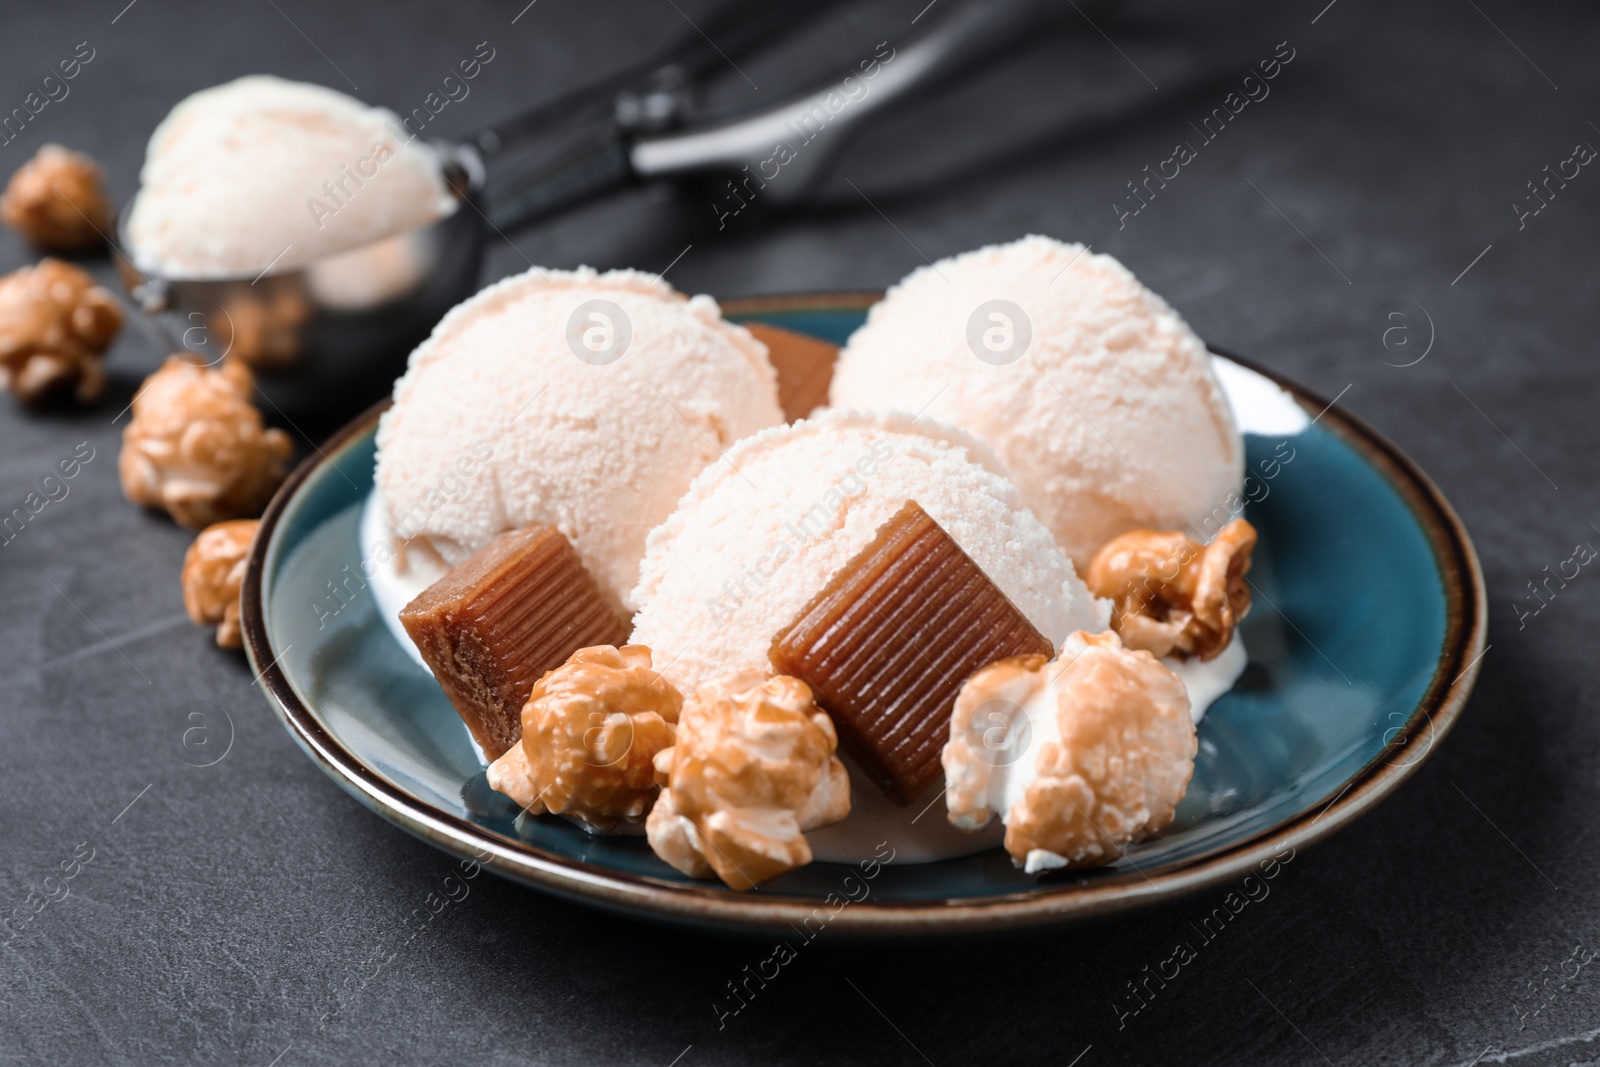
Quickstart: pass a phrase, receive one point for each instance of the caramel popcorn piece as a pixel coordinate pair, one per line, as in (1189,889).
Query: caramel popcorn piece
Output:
(1171,595)
(752,769)
(488,630)
(57,201)
(1078,757)
(888,642)
(590,731)
(213,571)
(55,324)
(196,445)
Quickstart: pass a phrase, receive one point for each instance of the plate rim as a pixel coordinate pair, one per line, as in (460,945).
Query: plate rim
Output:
(715,907)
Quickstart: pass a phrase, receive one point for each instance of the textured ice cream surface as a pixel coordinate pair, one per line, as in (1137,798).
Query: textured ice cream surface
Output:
(1108,419)
(261,171)
(756,537)
(498,423)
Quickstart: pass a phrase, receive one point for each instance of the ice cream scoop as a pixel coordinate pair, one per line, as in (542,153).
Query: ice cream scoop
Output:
(278,221)
(287,290)
(1093,392)
(575,399)
(759,534)
(262,172)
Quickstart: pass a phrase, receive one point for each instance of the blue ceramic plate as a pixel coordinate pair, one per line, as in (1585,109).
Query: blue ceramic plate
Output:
(1364,642)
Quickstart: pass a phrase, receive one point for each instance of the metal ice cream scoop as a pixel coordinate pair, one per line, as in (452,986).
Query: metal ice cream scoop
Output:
(333,333)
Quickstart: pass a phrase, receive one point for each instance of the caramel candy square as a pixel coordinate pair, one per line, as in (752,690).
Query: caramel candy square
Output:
(491,627)
(889,641)
(804,365)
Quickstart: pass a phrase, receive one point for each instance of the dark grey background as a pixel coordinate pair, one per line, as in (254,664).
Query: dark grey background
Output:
(228,915)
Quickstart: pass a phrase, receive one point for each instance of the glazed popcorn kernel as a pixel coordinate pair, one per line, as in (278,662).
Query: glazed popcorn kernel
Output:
(752,769)
(56,201)
(1172,595)
(55,325)
(1106,752)
(213,571)
(590,731)
(197,448)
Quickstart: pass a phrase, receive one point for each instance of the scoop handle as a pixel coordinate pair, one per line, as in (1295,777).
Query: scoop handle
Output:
(654,90)
(814,128)
(597,123)
(595,167)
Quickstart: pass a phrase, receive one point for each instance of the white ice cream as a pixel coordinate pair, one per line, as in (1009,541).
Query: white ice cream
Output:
(918,832)
(392,589)
(505,419)
(261,172)
(1093,392)
(1208,680)
(759,534)
(1011,769)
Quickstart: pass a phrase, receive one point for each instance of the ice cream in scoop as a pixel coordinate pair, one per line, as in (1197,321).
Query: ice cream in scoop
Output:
(1093,392)
(261,172)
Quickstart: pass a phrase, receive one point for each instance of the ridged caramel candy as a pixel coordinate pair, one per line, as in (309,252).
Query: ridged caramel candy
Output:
(493,626)
(889,641)
(804,365)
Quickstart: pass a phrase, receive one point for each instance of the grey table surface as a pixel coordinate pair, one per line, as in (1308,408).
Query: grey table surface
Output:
(229,911)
